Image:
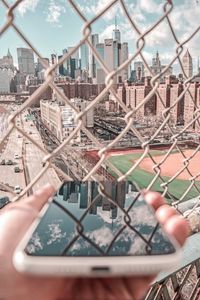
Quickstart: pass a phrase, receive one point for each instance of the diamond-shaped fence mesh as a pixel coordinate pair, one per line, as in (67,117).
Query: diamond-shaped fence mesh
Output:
(174,173)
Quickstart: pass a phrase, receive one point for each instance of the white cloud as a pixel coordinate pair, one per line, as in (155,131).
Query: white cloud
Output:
(91,7)
(147,55)
(136,13)
(94,7)
(26,5)
(160,36)
(106,33)
(186,15)
(185,19)
(150,6)
(127,32)
(54,13)
(102,237)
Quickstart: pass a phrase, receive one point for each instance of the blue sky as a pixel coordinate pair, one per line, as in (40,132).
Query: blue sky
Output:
(53,25)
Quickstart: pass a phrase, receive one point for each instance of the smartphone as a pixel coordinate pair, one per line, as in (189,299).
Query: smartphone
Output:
(96,229)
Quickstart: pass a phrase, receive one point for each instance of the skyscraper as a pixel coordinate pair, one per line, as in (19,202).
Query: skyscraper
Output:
(124,57)
(73,62)
(25,61)
(61,69)
(109,54)
(116,33)
(92,62)
(66,64)
(112,55)
(100,74)
(187,64)
(40,66)
(84,57)
(54,60)
(83,195)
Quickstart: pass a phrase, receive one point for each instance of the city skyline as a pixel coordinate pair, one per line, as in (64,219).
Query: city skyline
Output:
(54,26)
(80,56)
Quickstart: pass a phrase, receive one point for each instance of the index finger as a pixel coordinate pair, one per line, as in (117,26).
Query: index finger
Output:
(173,223)
(154,199)
(40,197)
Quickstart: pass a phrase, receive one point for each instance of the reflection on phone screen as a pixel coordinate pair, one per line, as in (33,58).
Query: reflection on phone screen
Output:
(92,219)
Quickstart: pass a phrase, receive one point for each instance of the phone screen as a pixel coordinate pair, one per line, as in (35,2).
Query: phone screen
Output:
(92,219)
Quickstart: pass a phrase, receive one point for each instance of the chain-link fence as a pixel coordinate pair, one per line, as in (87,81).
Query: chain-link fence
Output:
(182,183)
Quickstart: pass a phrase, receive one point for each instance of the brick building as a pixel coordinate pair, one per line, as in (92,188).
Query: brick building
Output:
(181,112)
(177,111)
(197,123)
(190,103)
(72,90)
(133,95)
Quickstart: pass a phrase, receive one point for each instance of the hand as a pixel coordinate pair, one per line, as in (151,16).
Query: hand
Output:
(15,218)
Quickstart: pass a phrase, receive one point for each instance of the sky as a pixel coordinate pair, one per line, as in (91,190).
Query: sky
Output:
(54,25)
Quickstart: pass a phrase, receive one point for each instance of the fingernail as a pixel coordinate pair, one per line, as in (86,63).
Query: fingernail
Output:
(47,186)
(41,189)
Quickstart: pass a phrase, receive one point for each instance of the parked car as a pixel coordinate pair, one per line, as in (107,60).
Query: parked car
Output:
(3,162)
(17,189)
(17,170)
(9,162)
(3,201)
(16,156)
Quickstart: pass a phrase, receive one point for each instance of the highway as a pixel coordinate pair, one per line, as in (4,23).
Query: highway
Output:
(34,156)
(7,173)
(30,157)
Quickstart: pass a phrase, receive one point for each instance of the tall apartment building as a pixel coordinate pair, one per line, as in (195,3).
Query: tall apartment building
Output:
(181,111)
(190,103)
(197,123)
(187,64)
(177,110)
(135,94)
(25,61)
(163,103)
(130,96)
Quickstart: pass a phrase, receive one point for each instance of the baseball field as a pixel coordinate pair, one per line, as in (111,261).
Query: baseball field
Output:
(173,164)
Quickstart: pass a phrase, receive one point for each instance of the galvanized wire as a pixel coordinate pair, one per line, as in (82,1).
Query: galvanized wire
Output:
(94,171)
